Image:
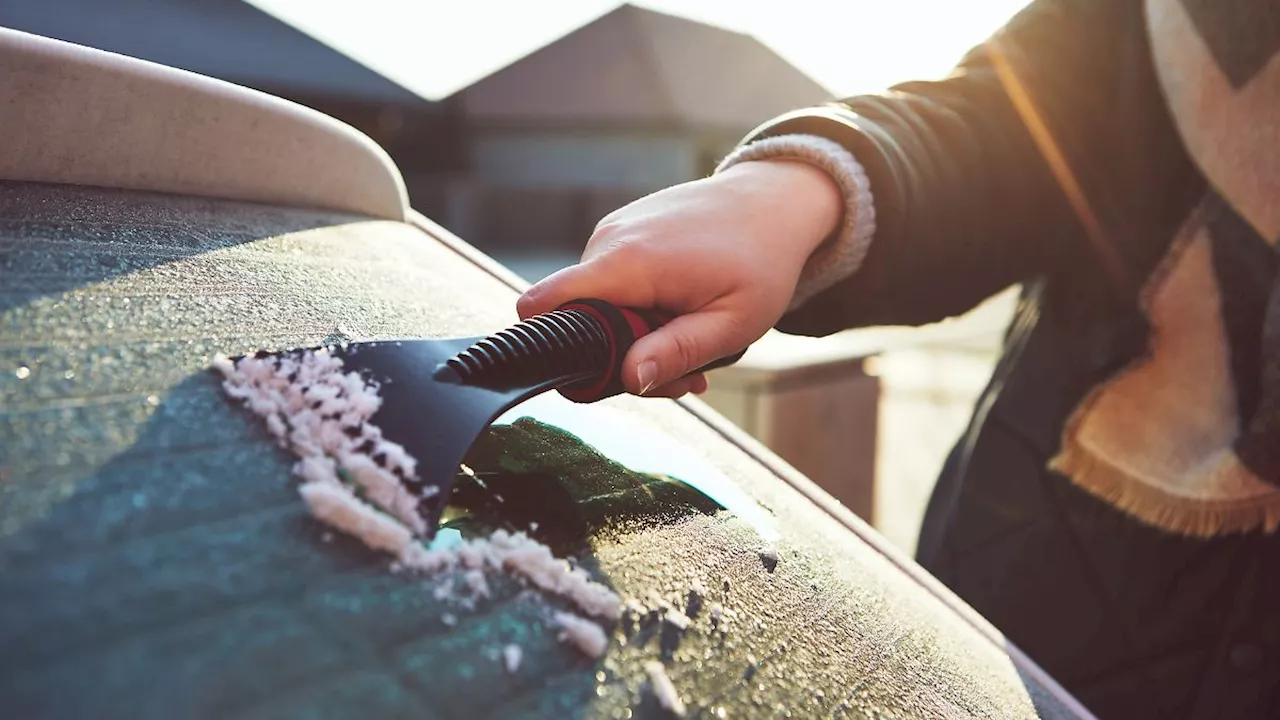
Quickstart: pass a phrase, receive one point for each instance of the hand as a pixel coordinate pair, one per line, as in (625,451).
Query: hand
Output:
(723,254)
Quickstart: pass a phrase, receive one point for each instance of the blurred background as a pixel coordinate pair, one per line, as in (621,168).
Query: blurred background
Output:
(518,124)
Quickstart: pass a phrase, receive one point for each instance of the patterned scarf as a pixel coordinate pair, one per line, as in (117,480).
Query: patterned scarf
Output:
(1187,437)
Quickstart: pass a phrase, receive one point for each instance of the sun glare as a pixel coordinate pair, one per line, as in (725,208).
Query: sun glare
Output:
(435,48)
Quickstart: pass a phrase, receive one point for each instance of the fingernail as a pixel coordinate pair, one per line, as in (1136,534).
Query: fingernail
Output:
(647,374)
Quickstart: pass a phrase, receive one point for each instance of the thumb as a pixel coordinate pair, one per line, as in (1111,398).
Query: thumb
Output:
(680,347)
(605,277)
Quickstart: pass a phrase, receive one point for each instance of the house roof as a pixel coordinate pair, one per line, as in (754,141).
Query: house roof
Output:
(635,65)
(226,39)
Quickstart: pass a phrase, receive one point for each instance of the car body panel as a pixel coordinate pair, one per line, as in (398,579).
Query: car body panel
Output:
(156,561)
(74,114)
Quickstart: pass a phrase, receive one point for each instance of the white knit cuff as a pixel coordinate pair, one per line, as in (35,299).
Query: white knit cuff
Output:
(841,254)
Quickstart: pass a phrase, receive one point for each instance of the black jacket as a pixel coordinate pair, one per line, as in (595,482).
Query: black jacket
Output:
(1050,159)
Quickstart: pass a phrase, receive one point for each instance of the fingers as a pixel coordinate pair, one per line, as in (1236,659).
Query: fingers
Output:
(680,347)
(696,384)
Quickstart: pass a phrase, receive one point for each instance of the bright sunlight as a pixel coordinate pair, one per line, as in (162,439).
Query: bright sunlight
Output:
(436,47)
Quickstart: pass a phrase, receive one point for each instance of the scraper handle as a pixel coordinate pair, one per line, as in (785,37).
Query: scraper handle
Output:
(622,327)
(578,348)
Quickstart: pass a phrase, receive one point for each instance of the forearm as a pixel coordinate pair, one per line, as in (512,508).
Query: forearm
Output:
(843,251)
(965,201)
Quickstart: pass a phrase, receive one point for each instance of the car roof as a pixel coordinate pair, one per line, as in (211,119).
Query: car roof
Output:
(80,115)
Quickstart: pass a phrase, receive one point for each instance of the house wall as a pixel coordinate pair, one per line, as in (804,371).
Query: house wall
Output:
(533,190)
(521,221)
(561,160)
(228,39)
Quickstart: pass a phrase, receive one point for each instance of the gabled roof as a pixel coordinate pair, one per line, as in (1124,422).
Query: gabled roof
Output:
(635,65)
(227,39)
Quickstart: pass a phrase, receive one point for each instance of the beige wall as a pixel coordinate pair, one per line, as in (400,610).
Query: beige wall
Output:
(613,161)
(873,434)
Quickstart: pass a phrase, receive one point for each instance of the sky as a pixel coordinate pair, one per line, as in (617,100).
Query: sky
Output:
(436,47)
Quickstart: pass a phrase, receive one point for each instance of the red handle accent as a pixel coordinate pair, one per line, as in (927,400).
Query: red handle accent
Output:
(622,327)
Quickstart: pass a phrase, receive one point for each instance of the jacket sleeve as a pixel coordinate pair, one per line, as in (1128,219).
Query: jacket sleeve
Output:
(1028,160)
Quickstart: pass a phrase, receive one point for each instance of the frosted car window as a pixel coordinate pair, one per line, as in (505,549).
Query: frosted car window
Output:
(155,560)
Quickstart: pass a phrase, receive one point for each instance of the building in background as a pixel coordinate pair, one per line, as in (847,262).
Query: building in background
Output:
(522,163)
(235,41)
(628,104)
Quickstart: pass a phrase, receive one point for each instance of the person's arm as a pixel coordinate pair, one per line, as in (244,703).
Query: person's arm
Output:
(966,198)
(946,198)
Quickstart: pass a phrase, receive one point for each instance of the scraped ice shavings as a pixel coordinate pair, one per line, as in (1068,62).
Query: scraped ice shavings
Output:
(335,506)
(511,656)
(524,556)
(587,636)
(663,689)
(443,591)
(769,558)
(678,619)
(477,582)
(698,588)
(322,414)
